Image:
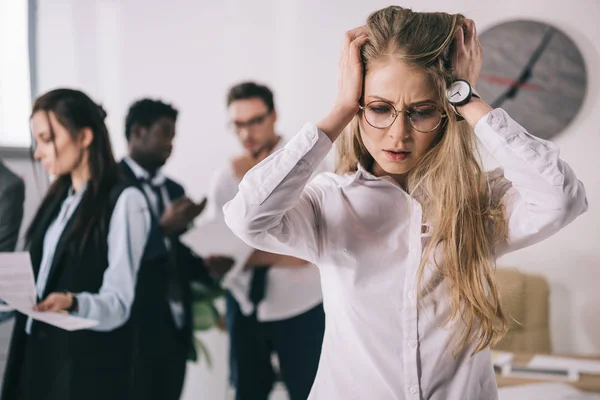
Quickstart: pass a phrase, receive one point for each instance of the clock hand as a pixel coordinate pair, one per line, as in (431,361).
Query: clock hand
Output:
(455,94)
(525,75)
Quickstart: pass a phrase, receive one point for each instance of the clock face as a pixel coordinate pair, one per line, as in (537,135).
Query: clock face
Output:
(458,92)
(535,72)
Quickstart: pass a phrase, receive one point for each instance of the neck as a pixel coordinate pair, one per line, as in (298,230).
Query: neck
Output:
(80,176)
(401,179)
(269,146)
(149,167)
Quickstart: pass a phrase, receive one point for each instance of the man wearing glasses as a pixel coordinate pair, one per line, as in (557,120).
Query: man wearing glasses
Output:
(274,303)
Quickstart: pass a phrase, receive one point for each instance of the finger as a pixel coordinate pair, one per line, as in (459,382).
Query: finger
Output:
(355,46)
(460,39)
(202,204)
(459,46)
(350,36)
(46,305)
(469,32)
(354,33)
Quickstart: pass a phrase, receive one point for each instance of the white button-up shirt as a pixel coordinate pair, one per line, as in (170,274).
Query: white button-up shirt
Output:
(366,236)
(290,291)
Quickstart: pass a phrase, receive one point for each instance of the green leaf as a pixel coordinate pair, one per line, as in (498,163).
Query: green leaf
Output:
(203,315)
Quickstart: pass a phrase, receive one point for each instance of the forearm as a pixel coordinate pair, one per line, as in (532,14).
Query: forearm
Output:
(336,121)
(474,110)
(261,258)
(128,234)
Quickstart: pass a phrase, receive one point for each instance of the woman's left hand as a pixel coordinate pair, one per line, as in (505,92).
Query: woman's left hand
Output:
(55,302)
(467,57)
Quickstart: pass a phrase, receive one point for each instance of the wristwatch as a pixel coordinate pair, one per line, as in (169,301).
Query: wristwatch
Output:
(460,93)
(74,303)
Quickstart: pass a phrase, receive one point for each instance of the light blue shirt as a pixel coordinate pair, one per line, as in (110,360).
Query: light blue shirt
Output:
(127,236)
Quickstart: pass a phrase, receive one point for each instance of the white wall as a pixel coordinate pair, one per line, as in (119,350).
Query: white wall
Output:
(189,52)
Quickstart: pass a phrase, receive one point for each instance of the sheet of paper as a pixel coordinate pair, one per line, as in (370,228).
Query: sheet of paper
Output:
(17,287)
(17,290)
(5,308)
(212,238)
(544,391)
(581,366)
(63,321)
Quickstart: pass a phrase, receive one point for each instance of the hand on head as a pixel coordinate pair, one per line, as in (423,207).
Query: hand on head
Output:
(467,56)
(350,84)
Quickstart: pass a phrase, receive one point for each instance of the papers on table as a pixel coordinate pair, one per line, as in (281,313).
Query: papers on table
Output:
(544,391)
(17,290)
(579,365)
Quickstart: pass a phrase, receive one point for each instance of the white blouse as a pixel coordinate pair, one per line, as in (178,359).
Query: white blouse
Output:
(365,235)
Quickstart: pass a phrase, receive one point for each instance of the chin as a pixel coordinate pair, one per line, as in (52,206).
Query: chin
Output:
(394,168)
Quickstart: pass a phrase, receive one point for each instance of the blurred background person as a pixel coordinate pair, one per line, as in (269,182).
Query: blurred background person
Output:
(86,243)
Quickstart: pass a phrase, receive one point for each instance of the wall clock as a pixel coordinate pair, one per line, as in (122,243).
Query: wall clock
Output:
(535,72)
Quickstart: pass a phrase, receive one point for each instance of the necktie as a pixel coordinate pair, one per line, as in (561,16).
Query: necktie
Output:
(258,284)
(174,289)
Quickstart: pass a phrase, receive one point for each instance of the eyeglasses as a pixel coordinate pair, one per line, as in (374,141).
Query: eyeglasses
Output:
(251,123)
(423,118)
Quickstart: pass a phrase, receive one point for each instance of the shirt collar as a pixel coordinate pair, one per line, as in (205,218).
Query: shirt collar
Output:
(362,173)
(141,173)
(72,195)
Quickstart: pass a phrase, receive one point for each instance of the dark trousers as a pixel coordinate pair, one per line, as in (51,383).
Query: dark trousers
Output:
(163,356)
(297,342)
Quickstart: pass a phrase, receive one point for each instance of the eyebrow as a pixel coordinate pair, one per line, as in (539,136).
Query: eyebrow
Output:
(414,103)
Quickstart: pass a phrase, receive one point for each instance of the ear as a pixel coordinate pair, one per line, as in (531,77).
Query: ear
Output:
(274,115)
(86,137)
(137,132)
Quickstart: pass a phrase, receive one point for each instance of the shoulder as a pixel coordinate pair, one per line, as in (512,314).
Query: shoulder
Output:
(9,181)
(131,203)
(123,191)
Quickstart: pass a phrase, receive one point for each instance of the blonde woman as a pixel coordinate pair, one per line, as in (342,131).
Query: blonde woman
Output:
(406,234)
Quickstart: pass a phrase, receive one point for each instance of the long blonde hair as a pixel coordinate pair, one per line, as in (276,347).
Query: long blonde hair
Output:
(448,181)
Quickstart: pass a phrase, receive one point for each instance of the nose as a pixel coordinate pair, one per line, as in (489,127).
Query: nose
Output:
(244,134)
(401,129)
(37,154)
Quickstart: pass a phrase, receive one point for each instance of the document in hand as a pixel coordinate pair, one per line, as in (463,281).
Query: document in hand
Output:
(17,290)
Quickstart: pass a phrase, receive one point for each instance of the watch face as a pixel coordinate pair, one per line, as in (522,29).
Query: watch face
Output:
(458,92)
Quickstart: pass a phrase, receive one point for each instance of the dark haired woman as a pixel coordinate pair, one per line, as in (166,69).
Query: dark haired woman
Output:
(86,242)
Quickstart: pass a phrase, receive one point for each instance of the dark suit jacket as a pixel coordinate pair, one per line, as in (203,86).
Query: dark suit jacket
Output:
(12,197)
(151,292)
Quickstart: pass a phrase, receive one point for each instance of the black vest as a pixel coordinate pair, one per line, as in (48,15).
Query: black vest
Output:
(51,363)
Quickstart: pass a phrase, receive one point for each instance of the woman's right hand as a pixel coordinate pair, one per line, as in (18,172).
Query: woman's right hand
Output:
(350,85)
